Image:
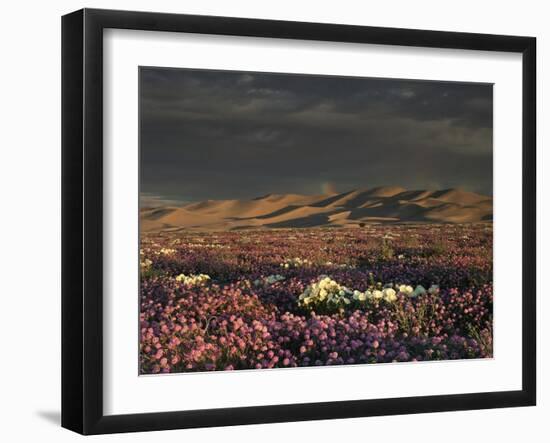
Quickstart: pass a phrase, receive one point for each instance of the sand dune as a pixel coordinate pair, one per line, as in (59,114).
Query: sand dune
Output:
(353,208)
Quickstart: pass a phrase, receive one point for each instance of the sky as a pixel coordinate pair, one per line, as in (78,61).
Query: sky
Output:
(208,134)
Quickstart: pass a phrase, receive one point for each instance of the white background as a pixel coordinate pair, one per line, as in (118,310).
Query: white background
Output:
(30,222)
(125,392)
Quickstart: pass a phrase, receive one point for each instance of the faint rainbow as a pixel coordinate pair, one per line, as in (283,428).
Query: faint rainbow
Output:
(328,188)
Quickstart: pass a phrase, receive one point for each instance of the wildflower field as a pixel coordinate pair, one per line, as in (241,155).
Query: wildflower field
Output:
(312,297)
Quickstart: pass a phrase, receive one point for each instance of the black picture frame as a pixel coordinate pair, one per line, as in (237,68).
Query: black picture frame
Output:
(82,218)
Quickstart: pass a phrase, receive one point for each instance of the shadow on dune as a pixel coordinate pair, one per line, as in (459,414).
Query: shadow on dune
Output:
(331,200)
(407,211)
(276,213)
(310,221)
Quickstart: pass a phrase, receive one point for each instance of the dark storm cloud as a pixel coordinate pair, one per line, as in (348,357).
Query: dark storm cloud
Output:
(220,134)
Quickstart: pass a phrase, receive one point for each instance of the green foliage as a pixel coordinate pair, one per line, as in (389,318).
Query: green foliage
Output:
(438,247)
(386,250)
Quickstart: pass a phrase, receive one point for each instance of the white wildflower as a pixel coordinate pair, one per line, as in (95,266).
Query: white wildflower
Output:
(193,279)
(389,295)
(167,251)
(325,292)
(145,264)
(296,262)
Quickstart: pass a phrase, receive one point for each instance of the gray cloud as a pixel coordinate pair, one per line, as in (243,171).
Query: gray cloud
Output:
(220,134)
(148,200)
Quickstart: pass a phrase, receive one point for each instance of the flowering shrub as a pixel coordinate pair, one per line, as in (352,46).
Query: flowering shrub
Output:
(328,296)
(295,263)
(230,305)
(341,265)
(145,264)
(193,280)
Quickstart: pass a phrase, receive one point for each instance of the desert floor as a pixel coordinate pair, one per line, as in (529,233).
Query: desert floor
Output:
(280,298)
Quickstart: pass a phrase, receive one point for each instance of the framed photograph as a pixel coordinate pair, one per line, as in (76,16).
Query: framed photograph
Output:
(268,221)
